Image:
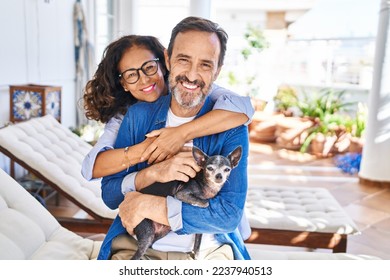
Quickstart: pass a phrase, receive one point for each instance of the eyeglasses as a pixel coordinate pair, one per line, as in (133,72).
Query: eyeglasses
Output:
(149,68)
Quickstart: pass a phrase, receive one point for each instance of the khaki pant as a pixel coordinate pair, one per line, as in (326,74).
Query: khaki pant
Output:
(124,246)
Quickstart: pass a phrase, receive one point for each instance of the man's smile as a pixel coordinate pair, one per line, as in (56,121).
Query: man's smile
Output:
(189,86)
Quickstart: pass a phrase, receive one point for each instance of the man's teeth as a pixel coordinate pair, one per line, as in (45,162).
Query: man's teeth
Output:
(190,86)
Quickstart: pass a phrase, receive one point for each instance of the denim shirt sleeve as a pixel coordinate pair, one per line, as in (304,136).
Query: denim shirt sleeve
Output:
(225,99)
(105,142)
(136,123)
(225,210)
(111,186)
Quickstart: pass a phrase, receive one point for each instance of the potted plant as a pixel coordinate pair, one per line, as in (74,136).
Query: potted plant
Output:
(285,100)
(326,108)
(358,128)
(325,101)
(323,136)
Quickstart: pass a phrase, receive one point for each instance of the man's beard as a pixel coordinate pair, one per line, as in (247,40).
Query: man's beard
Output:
(188,99)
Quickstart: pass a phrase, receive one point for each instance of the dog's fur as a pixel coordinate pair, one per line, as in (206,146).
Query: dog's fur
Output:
(197,191)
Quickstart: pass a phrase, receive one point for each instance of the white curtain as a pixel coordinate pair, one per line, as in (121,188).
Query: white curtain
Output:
(84,57)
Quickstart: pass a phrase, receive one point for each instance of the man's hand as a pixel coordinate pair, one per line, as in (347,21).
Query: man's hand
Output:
(181,167)
(168,142)
(136,207)
(129,213)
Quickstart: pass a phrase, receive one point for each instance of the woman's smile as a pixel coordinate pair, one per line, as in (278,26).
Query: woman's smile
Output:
(149,88)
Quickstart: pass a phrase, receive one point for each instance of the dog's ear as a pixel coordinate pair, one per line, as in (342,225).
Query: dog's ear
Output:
(199,156)
(235,156)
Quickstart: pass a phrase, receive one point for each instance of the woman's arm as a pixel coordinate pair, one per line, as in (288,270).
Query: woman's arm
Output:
(171,139)
(105,142)
(104,160)
(115,160)
(230,110)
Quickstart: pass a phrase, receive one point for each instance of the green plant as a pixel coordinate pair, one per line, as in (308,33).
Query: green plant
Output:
(256,41)
(285,99)
(319,104)
(359,123)
(329,125)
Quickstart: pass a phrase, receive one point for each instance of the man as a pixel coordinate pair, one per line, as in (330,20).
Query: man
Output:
(194,58)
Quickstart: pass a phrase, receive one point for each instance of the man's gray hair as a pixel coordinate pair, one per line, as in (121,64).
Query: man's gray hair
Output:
(200,24)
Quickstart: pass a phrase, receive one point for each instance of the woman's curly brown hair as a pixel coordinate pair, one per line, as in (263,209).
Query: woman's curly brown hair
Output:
(104,96)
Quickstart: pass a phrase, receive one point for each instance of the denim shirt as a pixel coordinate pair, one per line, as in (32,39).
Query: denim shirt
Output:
(225,211)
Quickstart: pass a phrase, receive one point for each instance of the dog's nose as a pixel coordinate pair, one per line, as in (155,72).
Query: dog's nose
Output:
(218,176)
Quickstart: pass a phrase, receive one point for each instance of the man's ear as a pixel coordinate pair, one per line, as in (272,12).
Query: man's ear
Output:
(167,60)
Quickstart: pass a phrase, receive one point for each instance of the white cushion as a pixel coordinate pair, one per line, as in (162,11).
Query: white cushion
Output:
(57,153)
(29,231)
(257,252)
(297,209)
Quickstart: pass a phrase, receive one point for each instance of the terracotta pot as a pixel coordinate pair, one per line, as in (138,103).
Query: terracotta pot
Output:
(322,145)
(291,132)
(263,127)
(259,104)
(356,145)
(342,144)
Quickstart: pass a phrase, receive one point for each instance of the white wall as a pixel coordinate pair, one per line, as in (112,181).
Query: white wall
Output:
(37,47)
(144,17)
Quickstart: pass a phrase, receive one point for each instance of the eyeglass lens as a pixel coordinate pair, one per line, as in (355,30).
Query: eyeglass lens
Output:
(149,68)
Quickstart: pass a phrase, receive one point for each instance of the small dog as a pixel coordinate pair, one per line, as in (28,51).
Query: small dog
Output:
(197,191)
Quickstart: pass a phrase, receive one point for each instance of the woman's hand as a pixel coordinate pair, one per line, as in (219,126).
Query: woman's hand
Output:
(168,142)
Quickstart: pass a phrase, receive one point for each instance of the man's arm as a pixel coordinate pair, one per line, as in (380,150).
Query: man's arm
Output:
(226,209)
(182,167)
(223,214)
(132,210)
(111,191)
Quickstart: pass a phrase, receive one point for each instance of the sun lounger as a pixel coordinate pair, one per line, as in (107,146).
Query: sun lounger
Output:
(29,232)
(54,154)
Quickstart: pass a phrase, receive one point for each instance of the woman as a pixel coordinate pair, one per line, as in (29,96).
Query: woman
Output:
(133,69)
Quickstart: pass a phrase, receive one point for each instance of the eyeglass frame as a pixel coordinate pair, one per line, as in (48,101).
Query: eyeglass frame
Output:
(138,69)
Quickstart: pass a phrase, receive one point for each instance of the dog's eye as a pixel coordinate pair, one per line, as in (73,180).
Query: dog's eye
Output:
(227,169)
(209,168)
